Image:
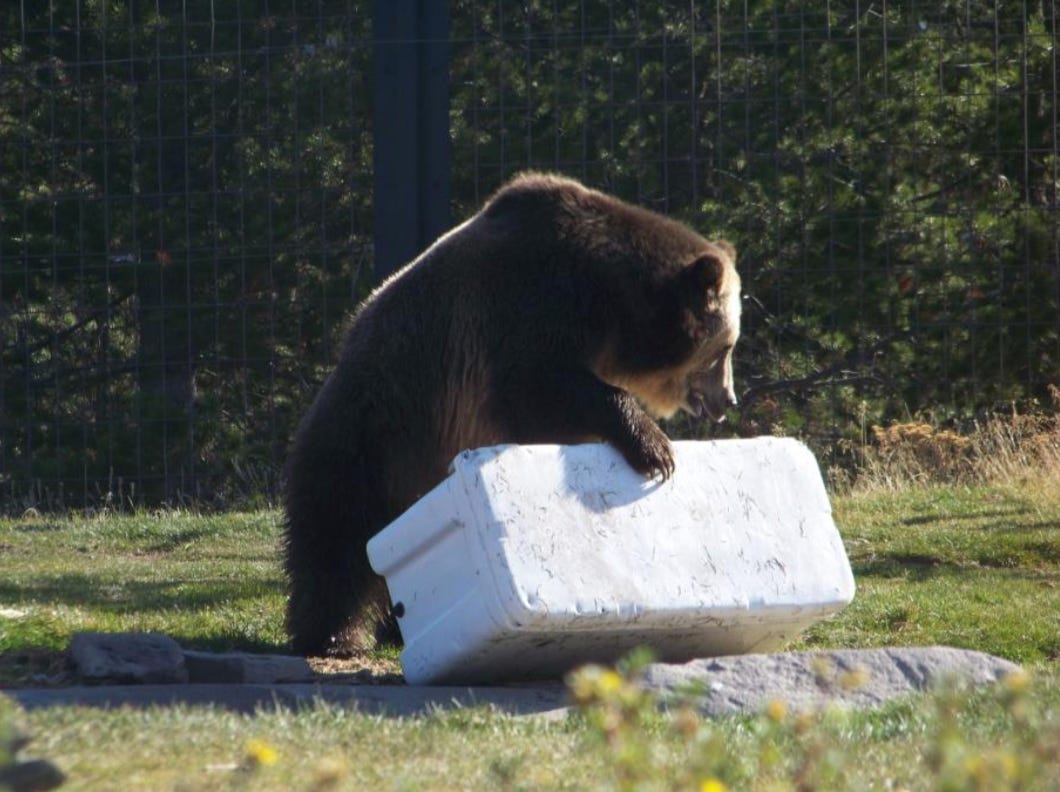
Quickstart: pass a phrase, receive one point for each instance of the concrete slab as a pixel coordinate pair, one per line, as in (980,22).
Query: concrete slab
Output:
(719,686)
(391,700)
(242,668)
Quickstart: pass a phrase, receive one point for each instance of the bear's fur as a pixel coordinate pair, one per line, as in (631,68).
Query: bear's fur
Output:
(557,314)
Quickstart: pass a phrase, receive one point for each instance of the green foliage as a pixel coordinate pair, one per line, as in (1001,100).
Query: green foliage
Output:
(185,208)
(897,244)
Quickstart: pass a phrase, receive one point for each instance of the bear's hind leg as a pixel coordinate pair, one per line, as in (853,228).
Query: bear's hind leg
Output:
(329,520)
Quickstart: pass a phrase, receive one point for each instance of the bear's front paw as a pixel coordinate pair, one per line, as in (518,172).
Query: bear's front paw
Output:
(652,453)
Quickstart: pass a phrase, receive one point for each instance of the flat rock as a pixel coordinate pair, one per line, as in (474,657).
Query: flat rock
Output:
(858,678)
(741,684)
(247,669)
(122,658)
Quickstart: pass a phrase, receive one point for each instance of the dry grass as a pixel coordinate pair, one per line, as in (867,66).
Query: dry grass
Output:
(377,667)
(1002,448)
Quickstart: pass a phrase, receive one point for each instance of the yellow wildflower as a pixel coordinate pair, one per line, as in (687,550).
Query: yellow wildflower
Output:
(260,754)
(584,683)
(609,682)
(1009,765)
(854,679)
(1017,681)
(776,710)
(595,683)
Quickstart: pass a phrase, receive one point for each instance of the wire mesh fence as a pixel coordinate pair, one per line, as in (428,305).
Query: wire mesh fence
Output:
(186,208)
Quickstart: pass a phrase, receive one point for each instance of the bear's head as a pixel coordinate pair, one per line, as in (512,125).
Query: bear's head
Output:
(706,291)
(710,387)
(670,297)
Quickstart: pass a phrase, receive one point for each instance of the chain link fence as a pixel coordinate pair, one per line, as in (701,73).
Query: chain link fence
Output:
(186,210)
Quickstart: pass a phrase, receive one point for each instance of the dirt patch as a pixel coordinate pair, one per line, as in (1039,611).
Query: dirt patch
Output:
(358,669)
(43,668)
(35,668)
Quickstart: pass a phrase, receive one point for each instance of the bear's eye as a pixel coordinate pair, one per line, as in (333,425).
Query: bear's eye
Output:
(722,354)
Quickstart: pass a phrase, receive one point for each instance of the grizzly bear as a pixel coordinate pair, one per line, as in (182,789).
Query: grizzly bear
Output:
(557,314)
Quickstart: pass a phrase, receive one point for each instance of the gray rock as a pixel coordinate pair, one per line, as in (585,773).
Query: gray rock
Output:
(121,658)
(31,775)
(248,669)
(806,680)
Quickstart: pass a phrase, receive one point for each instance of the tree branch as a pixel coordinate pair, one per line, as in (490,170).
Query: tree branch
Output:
(842,372)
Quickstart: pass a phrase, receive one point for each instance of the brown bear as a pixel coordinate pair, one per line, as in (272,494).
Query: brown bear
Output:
(557,314)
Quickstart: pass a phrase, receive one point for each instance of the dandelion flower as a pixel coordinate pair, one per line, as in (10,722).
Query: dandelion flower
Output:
(609,682)
(260,754)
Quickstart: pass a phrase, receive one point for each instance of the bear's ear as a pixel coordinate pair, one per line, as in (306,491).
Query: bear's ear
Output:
(705,274)
(727,246)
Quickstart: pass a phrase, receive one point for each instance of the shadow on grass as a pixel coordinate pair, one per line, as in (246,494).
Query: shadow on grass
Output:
(1048,525)
(143,599)
(930,519)
(1045,551)
(919,567)
(913,567)
(38,527)
(86,591)
(178,539)
(224,641)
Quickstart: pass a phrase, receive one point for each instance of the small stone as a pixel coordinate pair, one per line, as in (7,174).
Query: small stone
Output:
(127,658)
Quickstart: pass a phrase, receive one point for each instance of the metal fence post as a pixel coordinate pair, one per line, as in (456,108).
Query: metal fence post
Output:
(410,127)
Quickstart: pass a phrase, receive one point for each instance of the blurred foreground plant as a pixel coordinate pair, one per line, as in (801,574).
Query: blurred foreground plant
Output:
(22,775)
(674,747)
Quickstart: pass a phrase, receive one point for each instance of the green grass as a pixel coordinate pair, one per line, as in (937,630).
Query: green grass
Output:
(913,745)
(211,582)
(976,567)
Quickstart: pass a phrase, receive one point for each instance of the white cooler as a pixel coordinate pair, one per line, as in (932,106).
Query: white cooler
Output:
(529,560)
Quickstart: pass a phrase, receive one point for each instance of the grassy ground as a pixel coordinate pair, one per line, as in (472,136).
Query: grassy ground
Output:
(902,747)
(970,564)
(977,568)
(211,582)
